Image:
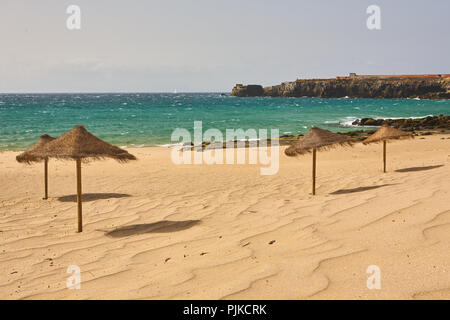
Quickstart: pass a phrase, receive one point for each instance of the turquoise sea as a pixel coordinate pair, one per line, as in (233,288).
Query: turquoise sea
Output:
(148,119)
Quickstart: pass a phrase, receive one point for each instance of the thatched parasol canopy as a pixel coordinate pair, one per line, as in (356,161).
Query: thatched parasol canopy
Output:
(33,153)
(318,139)
(384,134)
(79,144)
(387,133)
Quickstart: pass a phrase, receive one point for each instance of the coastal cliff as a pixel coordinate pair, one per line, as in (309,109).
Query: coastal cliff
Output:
(423,87)
(251,90)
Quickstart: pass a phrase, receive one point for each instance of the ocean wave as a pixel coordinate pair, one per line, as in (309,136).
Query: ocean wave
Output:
(171,145)
(396,118)
(347,122)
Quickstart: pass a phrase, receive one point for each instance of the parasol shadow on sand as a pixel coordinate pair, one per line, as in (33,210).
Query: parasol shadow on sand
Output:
(30,155)
(80,145)
(164,226)
(316,140)
(415,169)
(93,196)
(384,134)
(360,189)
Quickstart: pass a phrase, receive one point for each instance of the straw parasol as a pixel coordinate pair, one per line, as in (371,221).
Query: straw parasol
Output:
(80,145)
(384,134)
(29,156)
(316,139)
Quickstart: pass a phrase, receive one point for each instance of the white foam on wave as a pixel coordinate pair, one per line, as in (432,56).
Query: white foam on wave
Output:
(347,122)
(396,118)
(171,145)
(132,145)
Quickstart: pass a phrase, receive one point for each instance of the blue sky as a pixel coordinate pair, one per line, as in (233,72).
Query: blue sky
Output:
(209,45)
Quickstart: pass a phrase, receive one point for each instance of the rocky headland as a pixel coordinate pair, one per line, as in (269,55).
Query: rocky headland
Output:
(355,86)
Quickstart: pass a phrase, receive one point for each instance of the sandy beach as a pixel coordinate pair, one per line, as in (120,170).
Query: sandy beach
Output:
(156,230)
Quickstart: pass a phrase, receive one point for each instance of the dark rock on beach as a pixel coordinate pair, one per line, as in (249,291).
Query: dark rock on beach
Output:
(359,135)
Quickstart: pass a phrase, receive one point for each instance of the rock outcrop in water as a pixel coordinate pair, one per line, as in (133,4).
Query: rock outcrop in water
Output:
(439,122)
(251,90)
(421,86)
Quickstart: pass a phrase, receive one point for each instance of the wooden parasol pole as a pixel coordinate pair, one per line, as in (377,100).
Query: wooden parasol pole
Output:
(46,179)
(314,172)
(80,209)
(384,155)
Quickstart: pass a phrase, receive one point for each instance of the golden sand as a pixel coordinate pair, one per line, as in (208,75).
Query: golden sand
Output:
(155,230)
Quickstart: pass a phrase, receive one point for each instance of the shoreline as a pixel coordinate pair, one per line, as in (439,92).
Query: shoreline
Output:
(284,140)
